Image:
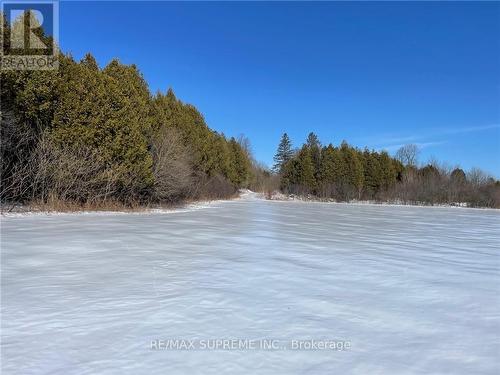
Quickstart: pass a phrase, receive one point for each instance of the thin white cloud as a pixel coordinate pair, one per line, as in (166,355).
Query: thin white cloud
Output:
(471,129)
(420,145)
(391,143)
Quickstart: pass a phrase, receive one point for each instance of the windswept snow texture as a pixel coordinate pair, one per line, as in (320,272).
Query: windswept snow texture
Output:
(415,290)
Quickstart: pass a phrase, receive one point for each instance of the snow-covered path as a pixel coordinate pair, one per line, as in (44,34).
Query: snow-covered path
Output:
(412,289)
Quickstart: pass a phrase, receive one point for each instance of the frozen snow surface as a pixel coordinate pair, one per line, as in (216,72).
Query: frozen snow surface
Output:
(414,290)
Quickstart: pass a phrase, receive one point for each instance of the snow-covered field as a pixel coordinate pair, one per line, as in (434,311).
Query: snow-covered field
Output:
(410,289)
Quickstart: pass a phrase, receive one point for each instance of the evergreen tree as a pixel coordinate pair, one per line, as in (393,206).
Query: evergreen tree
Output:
(372,173)
(90,62)
(240,163)
(353,178)
(327,167)
(290,175)
(314,146)
(340,167)
(429,172)
(326,176)
(283,154)
(212,154)
(458,177)
(306,178)
(398,169)
(389,174)
(96,110)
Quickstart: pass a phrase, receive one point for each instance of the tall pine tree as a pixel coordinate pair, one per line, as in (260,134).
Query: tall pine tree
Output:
(284,153)
(314,146)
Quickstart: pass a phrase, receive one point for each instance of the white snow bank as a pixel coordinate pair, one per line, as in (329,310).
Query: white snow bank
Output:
(278,196)
(188,207)
(246,194)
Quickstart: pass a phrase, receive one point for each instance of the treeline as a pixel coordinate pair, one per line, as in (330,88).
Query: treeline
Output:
(346,173)
(88,137)
(92,136)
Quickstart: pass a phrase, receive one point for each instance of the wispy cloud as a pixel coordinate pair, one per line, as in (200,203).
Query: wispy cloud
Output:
(431,138)
(471,129)
(420,145)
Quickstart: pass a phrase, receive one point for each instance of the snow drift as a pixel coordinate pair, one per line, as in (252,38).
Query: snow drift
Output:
(413,289)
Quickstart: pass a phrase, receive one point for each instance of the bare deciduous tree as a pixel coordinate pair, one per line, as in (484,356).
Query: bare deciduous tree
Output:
(61,173)
(408,155)
(171,166)
(477,177)
(244,142)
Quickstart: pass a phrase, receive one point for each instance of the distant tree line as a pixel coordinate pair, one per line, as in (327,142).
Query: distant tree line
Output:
(346,173)
(87,135)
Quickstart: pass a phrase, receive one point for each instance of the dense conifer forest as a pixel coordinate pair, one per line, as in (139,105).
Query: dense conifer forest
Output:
(346,173)
(88,135)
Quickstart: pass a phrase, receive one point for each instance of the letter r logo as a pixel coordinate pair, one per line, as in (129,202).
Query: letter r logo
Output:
(29,34)
(22,36)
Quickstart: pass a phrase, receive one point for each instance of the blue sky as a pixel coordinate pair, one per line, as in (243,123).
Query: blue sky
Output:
(376,74)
